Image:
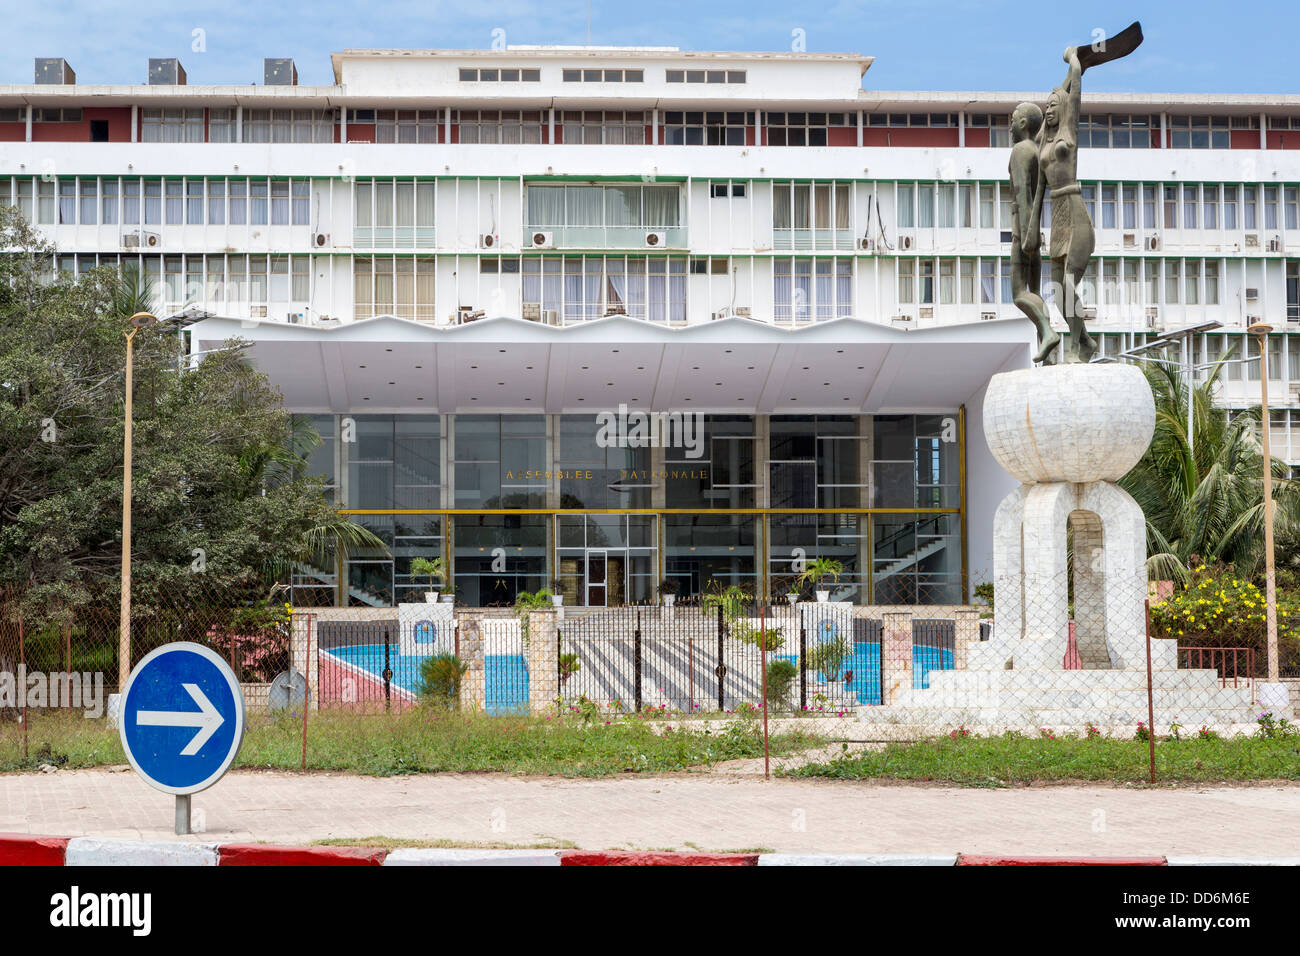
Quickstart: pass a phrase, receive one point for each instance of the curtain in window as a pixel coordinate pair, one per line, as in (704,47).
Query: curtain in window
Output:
(573,290)
(661,210)
(947,205)
(925,206)
(657,290)
(782,290)
(677,293)
(622,205)
(616,286)
(425,205)
(781,207)
(802,207)
(546,205)
(384,205)
(842,206)
(583,206)
(406,205)
(821,207)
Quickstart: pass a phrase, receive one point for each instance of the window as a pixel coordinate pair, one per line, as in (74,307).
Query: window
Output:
(1211,282)
(999,127)
(808,290)
(706,128)
(1190,207)
(171,125)
(1171,207)
(1210,206)
(602,76)
(393,285)
(581,288)
(288,126)
(590,216)
(1192,282)
(803,129)
(735,190)
(906,211)
(1128,203)
(1198,132)
(216,202)
(221,125)
(394,213)
(499,126)
(1293,291)
(89,212)
(609,127)
(407,126)
(108,202)
(1230,207)
(705,76)
(509,75)
(1148,207)
(1270,207)
(1171,281)
(1291,203)
(906,281)
(1250,206)
(67,202)
(811,215)
(1117,132)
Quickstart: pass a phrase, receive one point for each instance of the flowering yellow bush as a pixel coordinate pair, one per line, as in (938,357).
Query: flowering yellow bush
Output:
(1220,609)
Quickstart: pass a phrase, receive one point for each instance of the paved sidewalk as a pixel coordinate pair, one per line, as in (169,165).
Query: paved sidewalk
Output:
(678,812)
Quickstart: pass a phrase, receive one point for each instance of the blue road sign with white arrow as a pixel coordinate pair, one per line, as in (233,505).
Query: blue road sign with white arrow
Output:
(182,718)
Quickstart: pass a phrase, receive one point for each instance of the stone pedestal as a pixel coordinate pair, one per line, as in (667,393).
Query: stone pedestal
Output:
(1068,433)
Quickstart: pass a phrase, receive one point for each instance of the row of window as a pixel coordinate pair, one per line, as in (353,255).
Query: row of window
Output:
(90,201)
(1111,206)
(1115,282)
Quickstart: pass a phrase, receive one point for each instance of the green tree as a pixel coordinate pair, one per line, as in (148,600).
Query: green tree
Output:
(220,505)
(1207,501)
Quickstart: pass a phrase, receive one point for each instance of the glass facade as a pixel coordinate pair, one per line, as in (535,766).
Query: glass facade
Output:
(602,508)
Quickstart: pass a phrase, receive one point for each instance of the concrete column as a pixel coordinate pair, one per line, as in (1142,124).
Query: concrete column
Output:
(967,634)
(1047,621)
(542,657)
(895,655)
(469,638)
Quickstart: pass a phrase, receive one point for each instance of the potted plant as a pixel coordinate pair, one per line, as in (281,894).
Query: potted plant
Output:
(819,572)
(435,570)
(668,589)
(557,592)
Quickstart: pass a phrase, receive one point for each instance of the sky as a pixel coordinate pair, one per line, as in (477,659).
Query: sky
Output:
(1192,46)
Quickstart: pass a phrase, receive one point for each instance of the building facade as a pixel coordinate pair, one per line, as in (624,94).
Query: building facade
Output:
(600,317)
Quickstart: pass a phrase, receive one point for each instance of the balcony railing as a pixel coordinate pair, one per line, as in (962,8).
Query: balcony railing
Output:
(812,239)
(392,237)
(608,237)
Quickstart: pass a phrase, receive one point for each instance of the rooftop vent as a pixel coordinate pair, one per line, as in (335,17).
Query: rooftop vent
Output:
(277,71)
(166,71)
(54,70)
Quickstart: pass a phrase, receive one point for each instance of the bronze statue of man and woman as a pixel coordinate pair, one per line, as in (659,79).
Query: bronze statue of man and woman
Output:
(1044,161)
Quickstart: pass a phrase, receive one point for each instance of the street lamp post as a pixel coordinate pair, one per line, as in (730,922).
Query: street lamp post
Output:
(1270,579)
(138,321)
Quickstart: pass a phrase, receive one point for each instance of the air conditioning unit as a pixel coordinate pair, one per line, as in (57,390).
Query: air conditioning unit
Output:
(532,311)
(718,315)
(1275,245)
(866,243)
(905,242)
(1252,293)
(1130,240)
(551,317)
(296,318)
(1152,243)
(744,311)
(131,240)
(656,239)
(903,320)
(257,311)
(927,313)
(988,316)
(1252,240)
(489,241)
(543,240)
(150,239)
(1153,317)
(320,240)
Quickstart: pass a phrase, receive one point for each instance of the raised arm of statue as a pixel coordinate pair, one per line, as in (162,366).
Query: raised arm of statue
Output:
(1072,87)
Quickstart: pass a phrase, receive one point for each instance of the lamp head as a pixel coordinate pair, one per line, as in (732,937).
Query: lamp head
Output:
(1260,328)
(141,319)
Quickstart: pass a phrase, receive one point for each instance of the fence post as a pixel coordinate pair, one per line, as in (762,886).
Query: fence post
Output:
(762,640)
(543,660)
(966,633)
(309,698)
(22,688)
(895,655)
(1151,710)
(636,662)
(469,633)
(304,642)
(387,674)
(721,669)
(803,663)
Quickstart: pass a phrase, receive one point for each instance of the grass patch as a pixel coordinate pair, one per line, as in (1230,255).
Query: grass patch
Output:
(424,740)
(1017,759)
(397,843)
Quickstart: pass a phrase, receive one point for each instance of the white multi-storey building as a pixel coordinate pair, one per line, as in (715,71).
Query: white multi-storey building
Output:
(460,258)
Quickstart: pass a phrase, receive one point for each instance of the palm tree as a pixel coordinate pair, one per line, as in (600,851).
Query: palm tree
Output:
(1206,501)
(132,292)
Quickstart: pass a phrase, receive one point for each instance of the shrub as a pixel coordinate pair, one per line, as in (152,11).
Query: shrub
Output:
(441,676)
(569,665)
(780,679)
(829,656)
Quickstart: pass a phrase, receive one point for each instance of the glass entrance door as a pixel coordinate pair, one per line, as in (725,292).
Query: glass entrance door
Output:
(597,578)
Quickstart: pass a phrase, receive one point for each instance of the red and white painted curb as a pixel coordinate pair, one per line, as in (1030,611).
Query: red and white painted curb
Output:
(22,849)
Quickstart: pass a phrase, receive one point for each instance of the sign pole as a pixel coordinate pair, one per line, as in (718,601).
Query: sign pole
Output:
(183,814)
